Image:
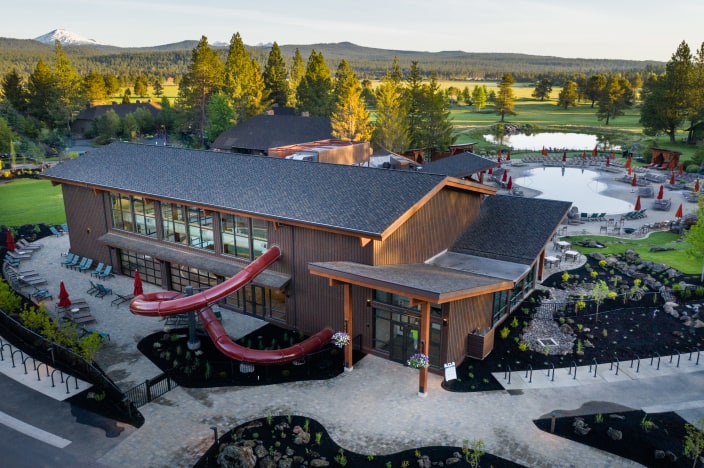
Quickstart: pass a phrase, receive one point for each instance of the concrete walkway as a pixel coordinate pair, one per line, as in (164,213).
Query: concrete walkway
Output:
(373,409)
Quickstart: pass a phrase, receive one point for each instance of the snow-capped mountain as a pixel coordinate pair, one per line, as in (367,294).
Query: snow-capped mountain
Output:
(65,38)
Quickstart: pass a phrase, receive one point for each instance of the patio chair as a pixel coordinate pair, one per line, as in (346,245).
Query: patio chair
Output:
(121,299)
(55,231)
(594,217)
(23,244)
(86,266)
(98,270)
(102,291)
(64,227)
(584,216)
(93,288)
(77,266)
(71,260)
(107,272)
(41,294)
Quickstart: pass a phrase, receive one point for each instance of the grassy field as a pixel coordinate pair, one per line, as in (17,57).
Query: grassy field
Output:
(30,201)
(676,258)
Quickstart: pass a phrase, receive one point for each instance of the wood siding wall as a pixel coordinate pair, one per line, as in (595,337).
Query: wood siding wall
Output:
(429,231)
(464,317)
(311,304)
(85,216)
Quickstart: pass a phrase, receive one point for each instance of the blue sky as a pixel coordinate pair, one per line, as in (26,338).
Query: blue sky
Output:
(624,29)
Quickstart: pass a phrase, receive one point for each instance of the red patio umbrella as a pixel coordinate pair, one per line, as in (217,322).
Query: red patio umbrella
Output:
(661,192)
(628,162)
(584,155)
(491,170)
(608,162)
(681,169)
(501,153)
(544,152)
(509,186)
(637,207)
(630,170)
(613,155)
(634,182)
(10,241)
(504,178)
(508,155)
(679,212)
(595,151)
(696,186)
(138,291)
(564,156)
(64,301)
(672,178)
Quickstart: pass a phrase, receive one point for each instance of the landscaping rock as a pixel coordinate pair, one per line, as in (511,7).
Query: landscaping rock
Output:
(232,456)
(615,434)
(580,427)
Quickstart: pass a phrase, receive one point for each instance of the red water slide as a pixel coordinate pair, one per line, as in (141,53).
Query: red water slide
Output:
(164,303)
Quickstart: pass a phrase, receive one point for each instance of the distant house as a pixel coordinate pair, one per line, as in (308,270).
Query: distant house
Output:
(664,159)
(261,132)
(83,122)
(326,151)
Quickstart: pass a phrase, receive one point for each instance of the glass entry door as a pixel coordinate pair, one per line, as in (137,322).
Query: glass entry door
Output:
(404,337)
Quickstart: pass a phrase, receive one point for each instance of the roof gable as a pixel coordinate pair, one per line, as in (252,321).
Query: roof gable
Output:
(459,165)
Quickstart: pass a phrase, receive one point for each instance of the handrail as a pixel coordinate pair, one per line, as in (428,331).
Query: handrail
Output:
(574,377)
(552,367)
(635,356)
(507,371)
(530,368)
(678,358)
(653,357)
(590,367)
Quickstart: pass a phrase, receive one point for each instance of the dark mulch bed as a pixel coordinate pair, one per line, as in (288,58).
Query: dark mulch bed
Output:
(276,440)
(208,367)
(638,443)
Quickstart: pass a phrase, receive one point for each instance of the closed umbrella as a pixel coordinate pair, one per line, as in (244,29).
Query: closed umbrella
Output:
(504,177)
(138,291)
(607,162)
(509,186)
(10,241)
(634,181)
(696,186)
(501,154)
(681,170)
(584,155)
(628,162)
(672,178)
(679,212)
(630,170)
(595,151)
(491,171)
(564,156)
(508,155)
(544,152)
(661,192)
(637,207)
(64,301)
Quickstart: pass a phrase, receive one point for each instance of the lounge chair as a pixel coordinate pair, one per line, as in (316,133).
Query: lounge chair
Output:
(18,255)
(79,265)
(93,288)
(98,270)
(584,217)
(64,227)
(107,272)
(102,291)
(41,294)
(55,231)
(71,261)
(594,217)
(23,244)
(87,266)
(121,298)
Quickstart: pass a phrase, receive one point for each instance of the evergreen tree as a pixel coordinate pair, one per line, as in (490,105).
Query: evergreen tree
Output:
(413,102)
(243,82)
(112,85)
(6,136)
(615,97)
(275,77)
(542,90)
(390,131)
(349,119)
(158,87)
(95,87)
(435,115)
(106,127)
(203,79)
(71,95)
(504,103)
(14,91)
(141,86)
(479,97)
(314,93)
(296,73)
(220,116)
(594,87)
(568,96)
(467,96)
(42,92)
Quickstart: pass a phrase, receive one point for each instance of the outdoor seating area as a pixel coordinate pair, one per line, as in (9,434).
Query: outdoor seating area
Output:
(662,205)
(85,264)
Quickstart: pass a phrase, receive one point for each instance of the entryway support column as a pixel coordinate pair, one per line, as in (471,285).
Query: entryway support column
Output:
(424,345)
(347,313)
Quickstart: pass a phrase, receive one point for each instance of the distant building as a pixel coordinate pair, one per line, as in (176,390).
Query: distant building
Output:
(326,151)
(83,122)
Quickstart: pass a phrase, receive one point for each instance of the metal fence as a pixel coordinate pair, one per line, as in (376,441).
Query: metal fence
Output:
(150,389)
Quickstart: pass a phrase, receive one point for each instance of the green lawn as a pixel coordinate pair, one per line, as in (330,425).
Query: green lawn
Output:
(30,201)
(676,258)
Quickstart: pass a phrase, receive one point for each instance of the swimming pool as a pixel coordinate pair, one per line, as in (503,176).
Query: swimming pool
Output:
(582,187)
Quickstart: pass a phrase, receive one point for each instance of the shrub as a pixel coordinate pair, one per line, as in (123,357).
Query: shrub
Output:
(504,332)
(514,322)
(523,346)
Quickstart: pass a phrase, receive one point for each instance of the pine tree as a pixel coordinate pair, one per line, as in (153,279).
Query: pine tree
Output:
(220,116)
(349,119)
(314,93)
(568,96)
(615,97)
(243,82)
(203,79)
(296,73)
(413,101)
(158,87)
(479,97)
(505,98)
(542,90)
(94,85)
(70,89)
(390,132)
(14,91)
(437,127)
(275,77)
(594,87)
(42,93)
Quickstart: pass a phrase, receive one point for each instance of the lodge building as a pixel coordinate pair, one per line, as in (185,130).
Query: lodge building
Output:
(402,260)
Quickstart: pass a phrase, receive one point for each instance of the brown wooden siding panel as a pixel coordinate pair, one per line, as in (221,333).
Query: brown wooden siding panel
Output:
(466,316)
(86,219)
(431,230)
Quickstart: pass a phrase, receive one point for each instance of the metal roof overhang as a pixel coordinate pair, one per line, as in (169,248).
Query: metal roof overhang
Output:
(503,269)
(419,281)
(202,260)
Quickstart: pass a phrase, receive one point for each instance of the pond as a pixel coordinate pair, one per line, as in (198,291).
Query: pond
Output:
(581,187)
(555,140)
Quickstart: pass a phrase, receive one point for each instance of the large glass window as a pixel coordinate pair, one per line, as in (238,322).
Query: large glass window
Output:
(144,217)
(121,211)
(184,275)
(149,267)
(259,302)
(200,229)
(521,289)
(174,223)
(243,237)
(500,307)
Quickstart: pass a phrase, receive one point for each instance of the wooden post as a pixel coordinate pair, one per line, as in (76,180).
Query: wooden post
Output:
(424,340)
(347,313)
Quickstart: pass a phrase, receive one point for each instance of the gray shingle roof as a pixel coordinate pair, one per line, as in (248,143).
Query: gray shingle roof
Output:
(512,229)
(360,200)
(265,131)
(460,165)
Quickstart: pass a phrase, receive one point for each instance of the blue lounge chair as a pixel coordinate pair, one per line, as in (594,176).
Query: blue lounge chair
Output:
(69,258)
(55,231)
(93,288)
(107,272)
(86,266)
(64,227)
(98,270)
(73,263)
(102,291)
(79,265)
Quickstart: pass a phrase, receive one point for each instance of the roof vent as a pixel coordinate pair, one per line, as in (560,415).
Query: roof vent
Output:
(305,114)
